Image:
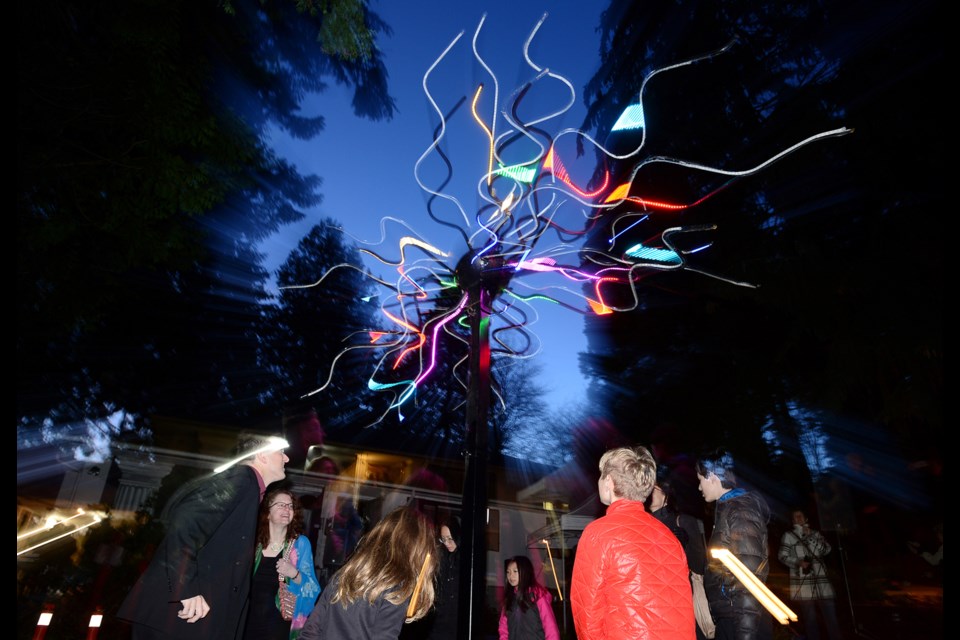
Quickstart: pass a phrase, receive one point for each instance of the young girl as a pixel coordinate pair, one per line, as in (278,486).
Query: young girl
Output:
(527,613)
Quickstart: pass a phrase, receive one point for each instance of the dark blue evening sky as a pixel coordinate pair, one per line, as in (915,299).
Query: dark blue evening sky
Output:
(368,167)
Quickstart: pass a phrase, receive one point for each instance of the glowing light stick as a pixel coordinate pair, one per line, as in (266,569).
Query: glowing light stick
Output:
(273,444)
(553,569)
(771,603)
(416,590)
(48,524)
(95,519)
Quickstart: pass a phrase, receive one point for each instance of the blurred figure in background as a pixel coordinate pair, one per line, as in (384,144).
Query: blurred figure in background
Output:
(933,558)
(803,548)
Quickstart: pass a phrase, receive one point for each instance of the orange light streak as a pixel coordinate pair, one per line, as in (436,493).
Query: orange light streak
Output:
(603,309)
(409,327)
(556,167)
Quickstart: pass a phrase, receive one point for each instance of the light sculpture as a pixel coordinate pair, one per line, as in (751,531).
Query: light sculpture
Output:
(488,288)
(522,200)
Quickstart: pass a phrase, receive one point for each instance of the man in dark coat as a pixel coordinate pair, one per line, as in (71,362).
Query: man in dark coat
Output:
(197,583)
(740,526)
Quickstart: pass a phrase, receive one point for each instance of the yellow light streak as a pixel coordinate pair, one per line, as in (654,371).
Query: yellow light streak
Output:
(476,116)
(553,569)
(771,603)
(416,589)
(96,518)
(273,444)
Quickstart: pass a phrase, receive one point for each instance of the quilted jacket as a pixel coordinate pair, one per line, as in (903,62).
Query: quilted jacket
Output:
(630,579)
(740,525)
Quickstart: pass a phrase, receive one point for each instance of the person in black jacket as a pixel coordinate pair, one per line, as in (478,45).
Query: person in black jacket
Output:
(740,526)
(688,529)
(448,582)
(197,583)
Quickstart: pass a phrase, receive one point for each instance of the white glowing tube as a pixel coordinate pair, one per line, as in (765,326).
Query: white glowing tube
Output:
(273,444)
(96,519)
(50,523)
(772,603)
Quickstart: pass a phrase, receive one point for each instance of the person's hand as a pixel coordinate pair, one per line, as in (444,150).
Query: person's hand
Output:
(193,609)
(286,569)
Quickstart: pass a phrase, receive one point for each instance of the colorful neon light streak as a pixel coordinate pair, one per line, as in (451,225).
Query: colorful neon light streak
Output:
(433,353)
(651,253)
(556,167)
(631,118)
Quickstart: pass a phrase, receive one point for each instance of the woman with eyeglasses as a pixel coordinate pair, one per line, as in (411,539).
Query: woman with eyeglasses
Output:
(444,623)
(283,555)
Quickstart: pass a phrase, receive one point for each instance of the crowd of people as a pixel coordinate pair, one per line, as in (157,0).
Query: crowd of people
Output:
(235,563)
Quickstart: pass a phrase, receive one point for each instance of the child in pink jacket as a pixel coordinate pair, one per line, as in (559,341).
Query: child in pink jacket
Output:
(527,612)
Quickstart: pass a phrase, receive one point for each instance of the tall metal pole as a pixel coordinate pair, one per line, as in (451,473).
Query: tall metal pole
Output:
(473,553)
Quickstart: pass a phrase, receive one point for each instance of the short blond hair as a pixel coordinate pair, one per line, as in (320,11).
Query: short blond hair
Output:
(633,471)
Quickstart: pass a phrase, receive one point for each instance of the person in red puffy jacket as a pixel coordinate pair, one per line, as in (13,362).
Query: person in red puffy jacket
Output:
(630,575)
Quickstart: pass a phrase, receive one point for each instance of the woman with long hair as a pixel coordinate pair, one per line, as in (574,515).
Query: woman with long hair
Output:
(527,611)
(448,582)
(387,581)
(283,556)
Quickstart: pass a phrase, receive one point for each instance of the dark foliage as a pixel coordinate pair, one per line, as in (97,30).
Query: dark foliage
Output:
(144,184)
(843,321)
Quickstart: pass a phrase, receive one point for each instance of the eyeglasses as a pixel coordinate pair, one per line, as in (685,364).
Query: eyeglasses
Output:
(445,539)
(283,505)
